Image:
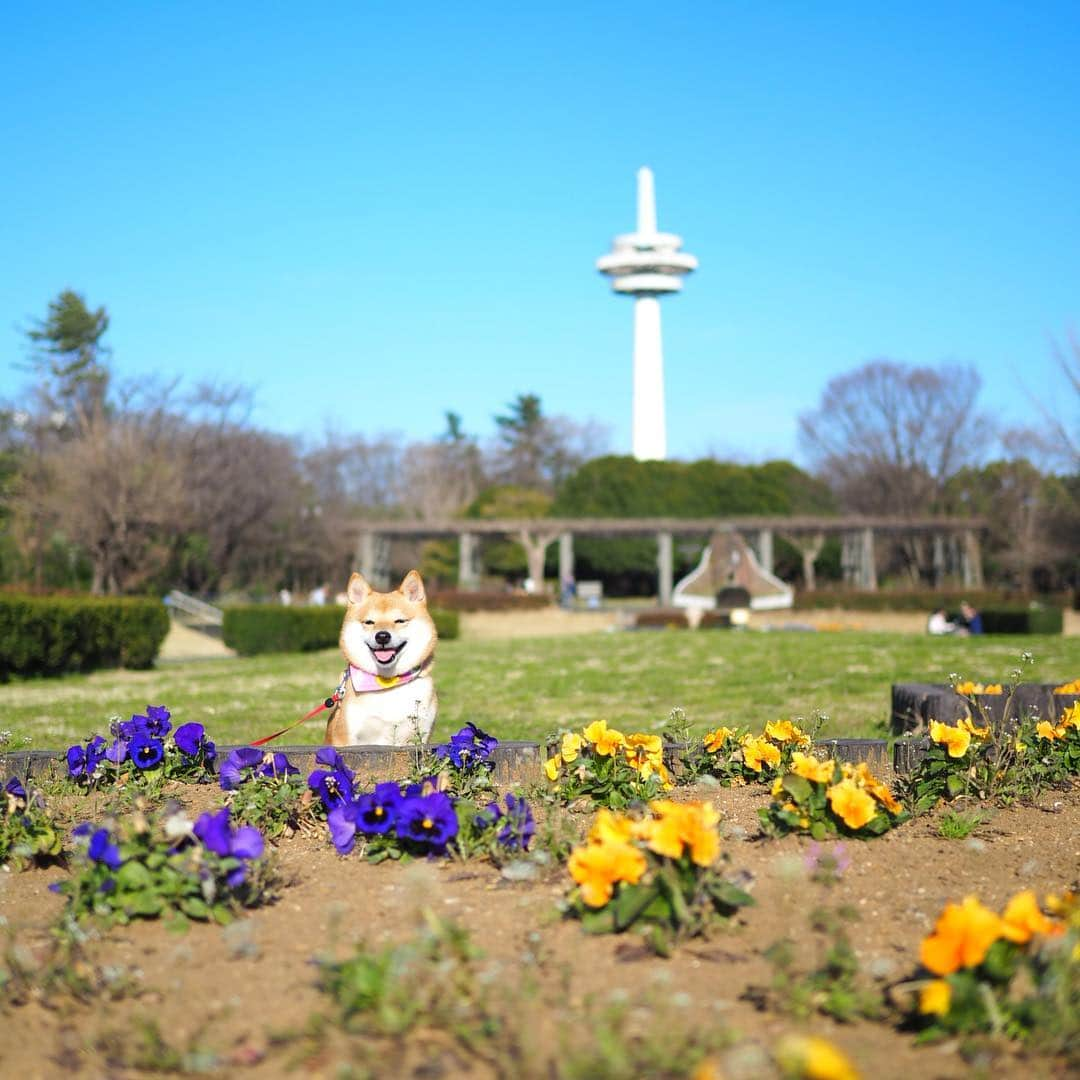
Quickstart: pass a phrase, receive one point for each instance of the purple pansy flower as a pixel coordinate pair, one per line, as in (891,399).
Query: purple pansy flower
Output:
(334,785)
(118,752)
(218,836)
(190,739)
(14,788)
(377,812)
(469,747)
(101,849)
(519,825)
(157,721)
(146,751)
(342,822)
(238,766)
(83,761)
(429,819)
(276,764)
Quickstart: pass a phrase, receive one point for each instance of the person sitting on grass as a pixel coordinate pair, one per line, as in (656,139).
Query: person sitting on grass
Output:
(970,619)
(938,623)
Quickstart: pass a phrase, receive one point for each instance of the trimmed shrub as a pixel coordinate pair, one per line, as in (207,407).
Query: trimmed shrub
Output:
(465,600)
(661,619)
(251,629)
(715,620)
(54,635)
(1034,619)
(925,600)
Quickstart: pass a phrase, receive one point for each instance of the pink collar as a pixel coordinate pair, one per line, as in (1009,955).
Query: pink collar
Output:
(364,682)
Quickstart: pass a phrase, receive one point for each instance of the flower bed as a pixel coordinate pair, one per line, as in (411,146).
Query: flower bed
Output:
(651,848)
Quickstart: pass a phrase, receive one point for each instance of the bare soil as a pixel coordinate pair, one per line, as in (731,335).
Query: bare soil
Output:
(234,989)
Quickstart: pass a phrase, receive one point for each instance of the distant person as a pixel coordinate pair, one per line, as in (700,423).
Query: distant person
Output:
(938,623)
(568,591)
(318,596)
(284,597)
(970,619)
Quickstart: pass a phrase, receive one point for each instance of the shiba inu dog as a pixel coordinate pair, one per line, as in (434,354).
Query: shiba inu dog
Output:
(389,641)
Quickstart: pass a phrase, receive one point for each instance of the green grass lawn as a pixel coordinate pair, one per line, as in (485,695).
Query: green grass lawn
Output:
(525,688)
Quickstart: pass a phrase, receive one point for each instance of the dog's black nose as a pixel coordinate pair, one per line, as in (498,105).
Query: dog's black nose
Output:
(382,637)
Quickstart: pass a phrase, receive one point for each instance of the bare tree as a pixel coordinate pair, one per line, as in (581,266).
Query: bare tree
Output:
(118,491)
(887,436)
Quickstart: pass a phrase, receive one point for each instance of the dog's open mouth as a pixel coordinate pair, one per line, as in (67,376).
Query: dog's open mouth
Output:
(385,656)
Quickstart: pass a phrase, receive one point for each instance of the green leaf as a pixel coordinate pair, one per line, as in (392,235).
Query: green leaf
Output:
(725,894)
(631,901)
(133,876)
(798,787)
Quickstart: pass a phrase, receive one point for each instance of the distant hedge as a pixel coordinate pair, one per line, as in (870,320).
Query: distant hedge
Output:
(251,629)
(490,600)
(46,635)
(1018,619)
(925,600)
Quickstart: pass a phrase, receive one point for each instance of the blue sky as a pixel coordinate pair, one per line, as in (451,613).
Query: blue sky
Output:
(374,213)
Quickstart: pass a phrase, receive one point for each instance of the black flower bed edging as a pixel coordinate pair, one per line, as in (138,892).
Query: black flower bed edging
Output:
(915,704)
(516,762)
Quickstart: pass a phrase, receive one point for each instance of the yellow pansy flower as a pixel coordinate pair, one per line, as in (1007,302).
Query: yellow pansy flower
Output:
(955,739)
(605,740)
(1068,688)
(610,828)
(810,1057)
(935,998)
(714,740)
(968,725)
(821,772)
(879,790)
(552,766)
(851,804)
(572,743)
(784,731)
(1045,730)
(644,753)
(962,937)
(597,868)
(777,787)
(1070,717)
(685,825)
(758,751)
(1022,920)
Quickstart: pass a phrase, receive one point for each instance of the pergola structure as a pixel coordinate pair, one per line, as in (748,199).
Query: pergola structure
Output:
(954,542)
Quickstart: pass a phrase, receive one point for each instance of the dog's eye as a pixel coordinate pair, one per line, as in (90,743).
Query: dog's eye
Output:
(400,622)
(369,622)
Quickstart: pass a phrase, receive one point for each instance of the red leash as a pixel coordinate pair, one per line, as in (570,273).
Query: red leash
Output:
(329,703)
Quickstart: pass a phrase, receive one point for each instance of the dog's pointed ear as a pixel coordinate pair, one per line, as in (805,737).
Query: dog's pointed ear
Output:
(358,589)
(412,586)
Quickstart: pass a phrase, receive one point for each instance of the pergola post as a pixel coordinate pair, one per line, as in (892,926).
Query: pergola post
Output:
(868,563)
(765,550)
(938,559)
(566,558)
(373,559)
(535,545)
(809,547)
(665,565)
(468,578)
(971,561)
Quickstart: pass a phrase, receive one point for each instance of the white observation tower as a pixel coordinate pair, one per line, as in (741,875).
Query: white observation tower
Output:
(646,264)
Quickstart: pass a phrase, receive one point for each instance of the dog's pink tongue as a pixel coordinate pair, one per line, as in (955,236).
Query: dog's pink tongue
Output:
(384,656)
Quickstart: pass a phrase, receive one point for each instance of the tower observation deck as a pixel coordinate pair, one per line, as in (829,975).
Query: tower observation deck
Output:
(646,264)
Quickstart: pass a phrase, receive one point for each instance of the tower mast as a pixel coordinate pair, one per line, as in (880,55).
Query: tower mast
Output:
(645,265)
